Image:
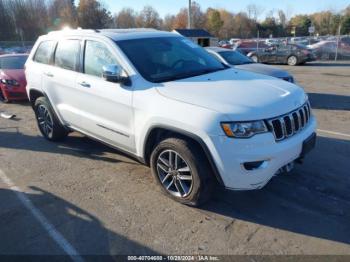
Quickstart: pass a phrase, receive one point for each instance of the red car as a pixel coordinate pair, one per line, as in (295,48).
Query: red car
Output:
(12,79)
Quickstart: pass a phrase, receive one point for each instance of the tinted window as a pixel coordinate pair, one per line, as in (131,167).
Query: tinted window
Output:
(67,54)
(44,52)
(96,56)
(13,62)
(235,58)
(164,59)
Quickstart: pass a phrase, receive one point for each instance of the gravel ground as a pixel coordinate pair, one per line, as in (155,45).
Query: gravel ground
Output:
(102,202)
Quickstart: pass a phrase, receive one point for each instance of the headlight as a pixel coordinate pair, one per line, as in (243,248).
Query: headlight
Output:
(244,129)
(9,82)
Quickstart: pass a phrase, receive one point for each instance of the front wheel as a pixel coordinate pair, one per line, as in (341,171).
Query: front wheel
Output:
(181,169)
(3,98)
(49,125)
(292,60)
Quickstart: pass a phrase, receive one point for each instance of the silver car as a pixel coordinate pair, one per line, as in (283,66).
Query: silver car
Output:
(236,59)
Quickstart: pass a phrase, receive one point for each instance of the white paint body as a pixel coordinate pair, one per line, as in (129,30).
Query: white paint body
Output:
(194,105)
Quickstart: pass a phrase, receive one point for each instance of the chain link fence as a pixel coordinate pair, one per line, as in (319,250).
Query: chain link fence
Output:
(15,47)
(324,47)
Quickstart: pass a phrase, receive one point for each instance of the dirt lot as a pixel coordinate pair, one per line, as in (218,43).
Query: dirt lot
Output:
(89,199)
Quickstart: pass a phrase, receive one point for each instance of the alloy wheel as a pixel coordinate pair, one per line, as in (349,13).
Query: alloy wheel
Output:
(174,173)
(292,60)
(45,120)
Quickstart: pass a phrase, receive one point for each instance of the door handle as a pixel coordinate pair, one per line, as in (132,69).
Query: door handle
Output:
(84,84)
(49,74)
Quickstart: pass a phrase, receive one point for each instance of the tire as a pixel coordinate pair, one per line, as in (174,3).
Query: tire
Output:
(292,60)
(255,58)
(49,125)
(2,97)
(193,185)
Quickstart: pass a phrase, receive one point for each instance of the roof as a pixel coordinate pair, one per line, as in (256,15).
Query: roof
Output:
(114,34)
(193,32)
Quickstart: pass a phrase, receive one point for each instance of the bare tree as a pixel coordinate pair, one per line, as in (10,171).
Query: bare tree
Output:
(91,14)
(149,18)
(169,22)
(62,13)
(126,18)
(254,11)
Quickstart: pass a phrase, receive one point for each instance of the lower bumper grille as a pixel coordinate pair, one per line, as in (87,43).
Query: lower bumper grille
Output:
(290,124)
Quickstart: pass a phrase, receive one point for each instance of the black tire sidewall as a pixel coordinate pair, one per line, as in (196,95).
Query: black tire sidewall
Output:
(198,166)
(58,131)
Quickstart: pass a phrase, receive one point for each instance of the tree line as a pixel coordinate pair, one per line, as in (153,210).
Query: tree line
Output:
(27,19)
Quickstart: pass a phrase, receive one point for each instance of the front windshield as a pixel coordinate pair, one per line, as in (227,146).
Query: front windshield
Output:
(235,58)
(13,62)
(163,59)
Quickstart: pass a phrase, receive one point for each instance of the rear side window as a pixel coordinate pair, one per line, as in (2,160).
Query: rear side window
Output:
(97,56)
(67,54)
(44,52)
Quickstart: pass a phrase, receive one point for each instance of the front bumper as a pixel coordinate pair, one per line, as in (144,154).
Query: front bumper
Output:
(14,93)
(231,154)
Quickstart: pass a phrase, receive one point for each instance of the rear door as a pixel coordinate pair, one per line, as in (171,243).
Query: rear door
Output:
(59,80)
(105,107)
(39,63)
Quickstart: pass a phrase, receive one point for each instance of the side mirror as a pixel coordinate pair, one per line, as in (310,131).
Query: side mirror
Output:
(115,74)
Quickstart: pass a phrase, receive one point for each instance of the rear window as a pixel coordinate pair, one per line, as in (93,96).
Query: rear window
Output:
(13,62)
(67,54)
(44,52)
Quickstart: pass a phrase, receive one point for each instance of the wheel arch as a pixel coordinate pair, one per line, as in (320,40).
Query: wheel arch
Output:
(159,132)
(34,94)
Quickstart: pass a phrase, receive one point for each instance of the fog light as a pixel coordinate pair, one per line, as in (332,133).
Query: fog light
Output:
(253,165)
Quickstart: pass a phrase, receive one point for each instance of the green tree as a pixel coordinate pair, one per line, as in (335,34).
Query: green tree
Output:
(301,23)
(345,26)
(91,14)
(214,22)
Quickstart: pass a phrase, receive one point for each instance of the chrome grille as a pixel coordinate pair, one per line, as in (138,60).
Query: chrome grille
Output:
(289,124)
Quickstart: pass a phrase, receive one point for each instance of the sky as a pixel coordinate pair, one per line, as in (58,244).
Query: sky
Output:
(292,7)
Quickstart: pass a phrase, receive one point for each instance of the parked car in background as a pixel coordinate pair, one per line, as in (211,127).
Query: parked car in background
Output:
(290,54)
(247,46)
(325,50)
(164,100)
(236,59)
(12,78)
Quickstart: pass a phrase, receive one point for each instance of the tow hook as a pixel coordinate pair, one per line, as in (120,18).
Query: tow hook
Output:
(287,168)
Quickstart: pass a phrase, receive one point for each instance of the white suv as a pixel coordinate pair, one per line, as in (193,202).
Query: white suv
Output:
(164,100)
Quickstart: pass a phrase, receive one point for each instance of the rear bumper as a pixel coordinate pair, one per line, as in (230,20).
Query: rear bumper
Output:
(231,155)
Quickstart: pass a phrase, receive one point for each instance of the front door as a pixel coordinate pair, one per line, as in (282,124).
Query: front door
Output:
(106,107)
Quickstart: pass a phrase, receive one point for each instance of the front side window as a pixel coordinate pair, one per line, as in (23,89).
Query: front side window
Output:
(67,54)
(13,62)
(96,57)
(163,59)
(44,52)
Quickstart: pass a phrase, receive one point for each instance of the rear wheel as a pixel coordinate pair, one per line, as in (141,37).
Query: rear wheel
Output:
(48,123)
(181,169)
(292,60)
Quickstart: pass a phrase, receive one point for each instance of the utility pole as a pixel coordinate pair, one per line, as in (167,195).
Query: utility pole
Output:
(189,24)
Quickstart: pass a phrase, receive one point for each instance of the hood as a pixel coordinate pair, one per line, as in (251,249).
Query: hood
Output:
(15,74)
(239,94)
(264,69)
